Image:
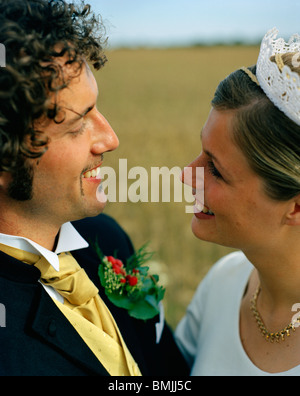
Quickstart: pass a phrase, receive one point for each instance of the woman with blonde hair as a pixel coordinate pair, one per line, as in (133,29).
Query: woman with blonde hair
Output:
(243,319)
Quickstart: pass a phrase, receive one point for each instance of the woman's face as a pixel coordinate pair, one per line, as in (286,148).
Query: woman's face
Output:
(244,217)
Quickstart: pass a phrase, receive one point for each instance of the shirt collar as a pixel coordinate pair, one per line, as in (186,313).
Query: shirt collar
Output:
(69,239)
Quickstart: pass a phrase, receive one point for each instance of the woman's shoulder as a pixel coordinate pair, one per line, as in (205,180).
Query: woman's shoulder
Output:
(226,274)
(222,286)
(232,263)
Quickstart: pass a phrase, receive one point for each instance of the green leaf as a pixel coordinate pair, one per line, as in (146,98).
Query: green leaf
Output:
(98,250)
(142,302)
(143,310)
(120,301)
(143,270)
(152,301)
(147,285)
(155,277)
(140,257)
(160,293)
(101,275)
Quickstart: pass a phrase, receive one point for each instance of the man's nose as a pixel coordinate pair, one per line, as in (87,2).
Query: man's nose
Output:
(104,136)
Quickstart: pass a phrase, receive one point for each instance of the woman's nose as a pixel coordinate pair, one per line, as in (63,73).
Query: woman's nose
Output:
(193,174)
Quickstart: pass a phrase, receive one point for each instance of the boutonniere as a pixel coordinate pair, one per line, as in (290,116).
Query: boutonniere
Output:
(128,285)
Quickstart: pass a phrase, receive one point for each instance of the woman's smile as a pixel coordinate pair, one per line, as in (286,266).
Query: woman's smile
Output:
(202,212)
(235,210)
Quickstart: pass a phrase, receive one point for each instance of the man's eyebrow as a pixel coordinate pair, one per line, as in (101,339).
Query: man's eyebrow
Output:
(78,115)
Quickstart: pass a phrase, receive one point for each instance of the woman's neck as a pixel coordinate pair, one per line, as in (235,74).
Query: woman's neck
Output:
(278,273)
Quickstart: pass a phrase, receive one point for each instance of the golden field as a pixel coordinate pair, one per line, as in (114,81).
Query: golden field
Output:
(157,100)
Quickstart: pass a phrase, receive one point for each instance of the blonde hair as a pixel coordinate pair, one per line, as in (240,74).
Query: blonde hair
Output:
(267,137)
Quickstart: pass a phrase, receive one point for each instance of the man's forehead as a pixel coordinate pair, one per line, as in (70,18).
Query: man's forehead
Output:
(74,101)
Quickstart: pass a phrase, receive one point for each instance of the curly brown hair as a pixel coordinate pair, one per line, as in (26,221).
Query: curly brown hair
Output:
(30,31)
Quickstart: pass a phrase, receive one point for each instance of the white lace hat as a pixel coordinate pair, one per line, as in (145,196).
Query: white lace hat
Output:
(280,84)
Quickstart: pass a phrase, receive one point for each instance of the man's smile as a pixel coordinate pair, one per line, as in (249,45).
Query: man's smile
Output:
(92,173)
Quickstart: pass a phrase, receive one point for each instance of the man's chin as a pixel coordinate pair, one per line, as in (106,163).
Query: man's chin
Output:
(90,212)
(97,207)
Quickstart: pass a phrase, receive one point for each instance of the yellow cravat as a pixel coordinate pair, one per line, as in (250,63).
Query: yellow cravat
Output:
(84,309)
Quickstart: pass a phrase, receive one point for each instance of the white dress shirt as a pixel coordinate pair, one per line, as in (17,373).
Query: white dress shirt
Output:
(69,239)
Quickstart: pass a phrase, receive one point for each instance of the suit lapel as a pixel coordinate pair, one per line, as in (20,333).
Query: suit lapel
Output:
(52,326)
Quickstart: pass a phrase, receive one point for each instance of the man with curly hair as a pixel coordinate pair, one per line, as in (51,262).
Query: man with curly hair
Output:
(58,320)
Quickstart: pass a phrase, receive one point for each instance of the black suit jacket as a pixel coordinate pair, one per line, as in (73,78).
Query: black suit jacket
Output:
(38,340)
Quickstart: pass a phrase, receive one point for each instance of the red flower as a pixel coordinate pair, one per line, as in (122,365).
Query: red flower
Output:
(132,280)
(135,271)
(117,270)
(114,261)
(118,263)
(122,280)
(111,259)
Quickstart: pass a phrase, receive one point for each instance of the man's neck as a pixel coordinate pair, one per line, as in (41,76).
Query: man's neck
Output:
(43,234)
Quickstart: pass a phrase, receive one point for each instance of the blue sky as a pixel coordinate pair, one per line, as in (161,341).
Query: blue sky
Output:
(164,22)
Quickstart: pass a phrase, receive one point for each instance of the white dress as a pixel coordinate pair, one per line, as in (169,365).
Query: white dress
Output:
(208,335)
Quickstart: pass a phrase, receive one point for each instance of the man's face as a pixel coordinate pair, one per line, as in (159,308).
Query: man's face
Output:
(64,185)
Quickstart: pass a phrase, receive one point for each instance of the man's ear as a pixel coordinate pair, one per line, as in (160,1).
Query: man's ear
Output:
(2,179)
(293,215)
(5,179)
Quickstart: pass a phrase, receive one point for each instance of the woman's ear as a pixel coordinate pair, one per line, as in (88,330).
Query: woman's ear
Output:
(293,214)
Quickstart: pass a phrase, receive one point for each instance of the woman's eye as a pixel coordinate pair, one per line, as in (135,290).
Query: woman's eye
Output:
(213,170)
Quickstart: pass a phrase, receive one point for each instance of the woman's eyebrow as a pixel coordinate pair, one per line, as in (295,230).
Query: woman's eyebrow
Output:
(213,157)
(207,152)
